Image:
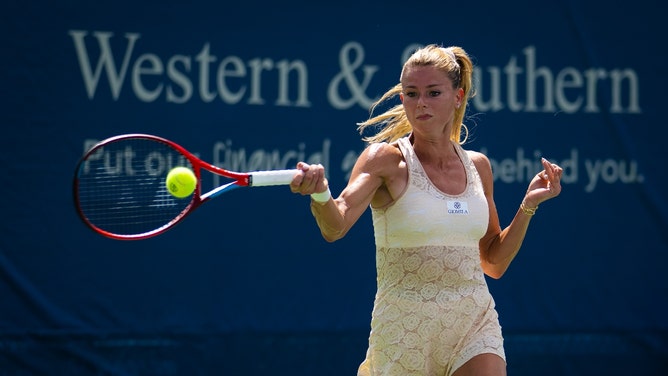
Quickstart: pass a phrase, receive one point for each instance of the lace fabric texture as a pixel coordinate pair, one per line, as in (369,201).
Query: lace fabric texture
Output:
(433,310)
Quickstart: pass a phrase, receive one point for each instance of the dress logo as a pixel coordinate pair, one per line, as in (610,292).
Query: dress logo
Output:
(458,207)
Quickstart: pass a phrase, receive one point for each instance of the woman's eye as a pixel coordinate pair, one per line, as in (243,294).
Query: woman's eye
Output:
(434,93)
(410,95)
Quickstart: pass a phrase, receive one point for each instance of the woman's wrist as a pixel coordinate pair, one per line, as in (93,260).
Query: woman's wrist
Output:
(322,197)
(528,209)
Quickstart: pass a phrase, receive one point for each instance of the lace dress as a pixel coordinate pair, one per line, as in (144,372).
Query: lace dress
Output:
(432,311)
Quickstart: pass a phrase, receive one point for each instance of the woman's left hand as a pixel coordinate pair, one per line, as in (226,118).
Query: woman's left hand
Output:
(545,185)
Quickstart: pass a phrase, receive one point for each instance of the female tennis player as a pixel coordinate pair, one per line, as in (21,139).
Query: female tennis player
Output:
(436,227)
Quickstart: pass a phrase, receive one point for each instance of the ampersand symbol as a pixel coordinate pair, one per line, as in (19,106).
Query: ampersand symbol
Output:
(347,74)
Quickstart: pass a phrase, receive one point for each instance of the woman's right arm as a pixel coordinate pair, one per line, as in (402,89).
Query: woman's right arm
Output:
(367,180)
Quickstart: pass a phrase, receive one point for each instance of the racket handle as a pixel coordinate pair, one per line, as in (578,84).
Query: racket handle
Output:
(275,177)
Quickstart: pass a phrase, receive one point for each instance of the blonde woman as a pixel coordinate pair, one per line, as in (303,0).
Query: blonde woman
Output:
(436,227)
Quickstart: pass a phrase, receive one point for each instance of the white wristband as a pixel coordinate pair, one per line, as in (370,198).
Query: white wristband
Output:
(322,196)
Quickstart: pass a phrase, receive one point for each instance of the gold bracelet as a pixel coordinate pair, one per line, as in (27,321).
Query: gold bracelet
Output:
(528,211)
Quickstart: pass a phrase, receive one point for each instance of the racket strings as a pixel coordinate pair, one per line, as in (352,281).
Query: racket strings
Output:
(121,186)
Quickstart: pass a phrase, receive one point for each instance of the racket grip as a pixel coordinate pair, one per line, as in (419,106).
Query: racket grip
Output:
(275,177)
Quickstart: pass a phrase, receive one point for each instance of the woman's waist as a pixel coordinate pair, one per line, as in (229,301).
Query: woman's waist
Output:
(431,296)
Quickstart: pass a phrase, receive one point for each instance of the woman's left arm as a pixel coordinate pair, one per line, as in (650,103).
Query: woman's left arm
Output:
(498,247)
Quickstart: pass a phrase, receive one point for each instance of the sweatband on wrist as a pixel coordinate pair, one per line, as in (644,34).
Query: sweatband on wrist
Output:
(322,196)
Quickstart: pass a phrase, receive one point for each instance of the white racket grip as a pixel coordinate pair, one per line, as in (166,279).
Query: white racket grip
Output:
(275,177)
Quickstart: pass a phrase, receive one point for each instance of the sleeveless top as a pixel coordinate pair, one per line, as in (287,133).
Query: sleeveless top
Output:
(433,310)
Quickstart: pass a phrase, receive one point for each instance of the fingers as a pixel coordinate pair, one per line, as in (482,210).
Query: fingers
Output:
(552,170)
(308,178)
(552,174)
(299,177)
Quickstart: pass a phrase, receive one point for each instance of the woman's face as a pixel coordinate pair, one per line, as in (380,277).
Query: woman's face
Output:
(429,99)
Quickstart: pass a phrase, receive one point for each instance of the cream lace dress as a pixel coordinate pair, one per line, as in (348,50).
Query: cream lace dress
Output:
(433,310)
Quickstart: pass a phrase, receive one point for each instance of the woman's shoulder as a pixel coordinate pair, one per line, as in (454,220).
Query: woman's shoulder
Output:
(382,151)
(383,160)
(482,165)
(477,157)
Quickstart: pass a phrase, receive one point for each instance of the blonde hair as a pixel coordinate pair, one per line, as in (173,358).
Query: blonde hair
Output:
(453,61)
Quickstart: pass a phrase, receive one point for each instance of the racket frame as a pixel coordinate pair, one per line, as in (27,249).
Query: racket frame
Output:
(240,179)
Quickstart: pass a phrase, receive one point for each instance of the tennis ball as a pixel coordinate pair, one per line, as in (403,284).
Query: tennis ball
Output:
(181,182)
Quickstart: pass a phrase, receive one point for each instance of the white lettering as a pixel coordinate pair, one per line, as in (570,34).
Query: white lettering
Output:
(150,80)
(618,78)
(355,89)
(566,79)
(257,66)
(568,90)
(521,169)
(179,78)
(227,157)
(521,85)
(204,59)
(236,70)
(284,68)
(153,67)
(105,61)
(611,171)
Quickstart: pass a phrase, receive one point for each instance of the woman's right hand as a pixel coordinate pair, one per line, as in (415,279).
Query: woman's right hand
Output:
(310,179)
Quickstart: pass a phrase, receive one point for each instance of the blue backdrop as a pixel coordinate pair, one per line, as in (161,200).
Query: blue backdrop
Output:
(249,85)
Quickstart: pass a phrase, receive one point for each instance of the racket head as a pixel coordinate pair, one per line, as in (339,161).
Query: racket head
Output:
(119,186)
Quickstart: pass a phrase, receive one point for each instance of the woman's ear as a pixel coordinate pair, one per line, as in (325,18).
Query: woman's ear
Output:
(401,97)
(460,95)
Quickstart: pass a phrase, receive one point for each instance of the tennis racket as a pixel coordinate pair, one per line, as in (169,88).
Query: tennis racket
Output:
(120,191)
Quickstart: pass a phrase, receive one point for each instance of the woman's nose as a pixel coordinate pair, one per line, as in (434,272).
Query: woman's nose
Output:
(421,103)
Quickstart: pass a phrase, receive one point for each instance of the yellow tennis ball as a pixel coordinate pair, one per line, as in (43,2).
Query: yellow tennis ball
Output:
(181,182)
